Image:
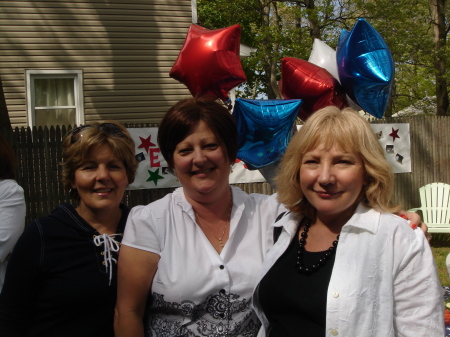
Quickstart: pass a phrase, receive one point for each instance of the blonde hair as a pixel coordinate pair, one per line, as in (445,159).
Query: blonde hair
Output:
(75,152)
(331,126)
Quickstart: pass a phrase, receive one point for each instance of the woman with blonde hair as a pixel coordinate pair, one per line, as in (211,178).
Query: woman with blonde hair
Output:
(343,263)
(61,279)
(189,262)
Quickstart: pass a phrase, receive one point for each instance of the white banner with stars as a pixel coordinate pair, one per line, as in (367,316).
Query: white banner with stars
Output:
(152,171)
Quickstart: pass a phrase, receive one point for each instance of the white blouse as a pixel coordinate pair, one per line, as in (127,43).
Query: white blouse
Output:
(12,220)
(384,280)
(196,291)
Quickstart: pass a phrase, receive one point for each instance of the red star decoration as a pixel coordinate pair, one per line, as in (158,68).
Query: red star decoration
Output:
(394,134)
(209,63)
(146,143)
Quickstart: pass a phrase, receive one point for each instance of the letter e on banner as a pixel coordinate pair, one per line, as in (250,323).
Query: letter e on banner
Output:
(154,158)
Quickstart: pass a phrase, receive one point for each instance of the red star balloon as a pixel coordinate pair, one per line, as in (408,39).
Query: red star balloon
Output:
(314,85)
(209,63)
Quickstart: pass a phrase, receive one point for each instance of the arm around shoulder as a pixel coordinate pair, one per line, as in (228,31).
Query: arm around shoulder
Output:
(418,295)
(136,270)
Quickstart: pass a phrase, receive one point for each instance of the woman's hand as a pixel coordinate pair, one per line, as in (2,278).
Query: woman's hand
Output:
(415,222)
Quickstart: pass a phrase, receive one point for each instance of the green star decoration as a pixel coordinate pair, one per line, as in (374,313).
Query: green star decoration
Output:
(154,176)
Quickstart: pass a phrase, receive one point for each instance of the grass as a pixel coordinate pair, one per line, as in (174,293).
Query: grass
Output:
(440,245)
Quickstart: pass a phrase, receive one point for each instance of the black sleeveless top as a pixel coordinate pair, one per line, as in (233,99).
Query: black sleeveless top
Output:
(295,304)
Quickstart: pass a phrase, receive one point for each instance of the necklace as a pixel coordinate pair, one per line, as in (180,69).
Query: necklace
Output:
(313,268)
(224,229)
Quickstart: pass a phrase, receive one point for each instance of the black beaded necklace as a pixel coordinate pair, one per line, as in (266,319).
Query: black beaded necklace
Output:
(313,268)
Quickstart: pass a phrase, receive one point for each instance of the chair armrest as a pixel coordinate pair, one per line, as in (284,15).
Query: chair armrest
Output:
(415,209)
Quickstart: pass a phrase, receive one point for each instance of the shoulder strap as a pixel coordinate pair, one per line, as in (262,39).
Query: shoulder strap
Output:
(277,230)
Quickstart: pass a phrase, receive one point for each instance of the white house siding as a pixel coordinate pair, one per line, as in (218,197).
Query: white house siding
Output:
(125,49)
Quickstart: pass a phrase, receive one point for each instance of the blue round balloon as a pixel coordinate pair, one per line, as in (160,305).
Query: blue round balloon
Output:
(365,67)
(265,128)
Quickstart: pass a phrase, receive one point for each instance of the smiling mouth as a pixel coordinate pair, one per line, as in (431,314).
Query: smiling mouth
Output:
(103,190)
(324,194)
(202,171)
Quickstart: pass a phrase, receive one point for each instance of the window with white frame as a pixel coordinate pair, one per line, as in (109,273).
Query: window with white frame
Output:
(55,97)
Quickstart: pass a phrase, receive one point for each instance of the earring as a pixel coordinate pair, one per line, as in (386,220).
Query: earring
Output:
(231,168)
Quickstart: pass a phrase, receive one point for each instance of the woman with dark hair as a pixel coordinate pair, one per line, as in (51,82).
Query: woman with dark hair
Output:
(61,280)
(189,262)
(12,206)
(196,252)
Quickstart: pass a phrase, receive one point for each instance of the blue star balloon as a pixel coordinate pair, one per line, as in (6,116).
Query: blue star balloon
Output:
(264,129)
(366,67)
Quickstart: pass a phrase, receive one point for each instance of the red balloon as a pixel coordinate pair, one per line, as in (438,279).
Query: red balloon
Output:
(209,63)
(314,85)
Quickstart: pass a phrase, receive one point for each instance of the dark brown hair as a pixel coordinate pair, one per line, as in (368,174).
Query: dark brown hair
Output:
(185,115)
(8,160)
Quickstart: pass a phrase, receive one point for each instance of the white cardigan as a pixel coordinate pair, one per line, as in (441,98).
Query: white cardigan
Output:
(384,280)
(12,220)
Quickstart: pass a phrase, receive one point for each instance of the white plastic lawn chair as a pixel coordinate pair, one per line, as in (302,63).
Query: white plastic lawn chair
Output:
(447,262)
(435,200)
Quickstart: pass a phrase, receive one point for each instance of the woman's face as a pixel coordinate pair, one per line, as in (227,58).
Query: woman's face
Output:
(332,180)
(200,164)
(101,180)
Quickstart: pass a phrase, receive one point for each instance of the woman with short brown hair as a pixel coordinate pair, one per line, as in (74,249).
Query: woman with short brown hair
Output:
(61,280)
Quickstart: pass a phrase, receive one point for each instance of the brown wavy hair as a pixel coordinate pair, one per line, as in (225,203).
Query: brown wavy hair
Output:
(74,153)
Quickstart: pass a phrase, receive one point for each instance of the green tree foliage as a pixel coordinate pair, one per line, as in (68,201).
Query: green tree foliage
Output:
(287,28)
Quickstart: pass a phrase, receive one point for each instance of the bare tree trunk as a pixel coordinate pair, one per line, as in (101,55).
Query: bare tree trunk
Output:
(437,11)
(313,19)
(274,58)
(255,90)
(389,106)
(271,51)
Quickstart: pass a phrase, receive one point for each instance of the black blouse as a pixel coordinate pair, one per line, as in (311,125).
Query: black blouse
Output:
(294,303)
